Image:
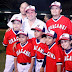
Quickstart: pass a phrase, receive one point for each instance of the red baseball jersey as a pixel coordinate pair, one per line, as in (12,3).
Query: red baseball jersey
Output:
(60,26)
(39,48)
(68,60)
(35,43)
(53,58)
(41,51)
(24,53)
(9,39)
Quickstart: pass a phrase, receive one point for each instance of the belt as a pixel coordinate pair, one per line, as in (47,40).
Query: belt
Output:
(40,60)
(24,63)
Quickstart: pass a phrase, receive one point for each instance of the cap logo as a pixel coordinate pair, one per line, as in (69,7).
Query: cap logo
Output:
(62,35)
(38,25)
(16,17)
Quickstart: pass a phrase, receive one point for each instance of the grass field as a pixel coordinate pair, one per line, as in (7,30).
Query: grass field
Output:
(2,51)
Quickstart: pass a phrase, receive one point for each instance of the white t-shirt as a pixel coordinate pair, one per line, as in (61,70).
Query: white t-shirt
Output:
(13,17)
(28,28)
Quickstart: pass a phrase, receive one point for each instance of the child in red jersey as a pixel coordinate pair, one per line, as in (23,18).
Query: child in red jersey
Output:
(9,39)
(39,47)
(24,54)
(65,43)
(53,57)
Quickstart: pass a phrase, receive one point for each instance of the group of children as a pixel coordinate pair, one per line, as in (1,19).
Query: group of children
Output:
(48,56)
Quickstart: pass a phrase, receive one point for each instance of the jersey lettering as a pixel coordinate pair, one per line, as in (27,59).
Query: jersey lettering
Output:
(60,26)
(27,53)
(40,50)
(51,55)
(13,40)
(35,47)
(68,58)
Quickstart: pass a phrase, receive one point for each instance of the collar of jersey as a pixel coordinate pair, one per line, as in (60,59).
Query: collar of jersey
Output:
(68,51)
(37,41)
(55,20)
(50,46)
(24,44)
(15,32)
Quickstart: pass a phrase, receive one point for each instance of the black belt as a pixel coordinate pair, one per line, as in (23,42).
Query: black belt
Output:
(24,63)
(40,60)
(69,71)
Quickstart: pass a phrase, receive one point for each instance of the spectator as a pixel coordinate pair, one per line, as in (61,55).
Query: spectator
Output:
(47,17)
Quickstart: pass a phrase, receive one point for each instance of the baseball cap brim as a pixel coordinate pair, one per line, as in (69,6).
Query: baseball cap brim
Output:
(16,20)
(48,34)
(22,34)
(53,5)
(30,9)
(36,29)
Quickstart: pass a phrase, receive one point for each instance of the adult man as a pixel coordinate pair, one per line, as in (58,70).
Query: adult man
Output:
(60,24)
(22,14)
(32,21)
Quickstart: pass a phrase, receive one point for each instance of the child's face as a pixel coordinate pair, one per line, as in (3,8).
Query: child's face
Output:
(38,34)
(16,25)
(49,40)
(22,39)
(65,44)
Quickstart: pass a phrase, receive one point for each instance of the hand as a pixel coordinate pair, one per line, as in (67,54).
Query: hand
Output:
(16,70)
(8,29)
(30,70)
(42,69)
(14,46)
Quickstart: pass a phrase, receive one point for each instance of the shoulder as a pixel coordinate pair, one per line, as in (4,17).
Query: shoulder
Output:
(49,20)
(29,44)
(17,14)
(8,32)
(63,17)
(40,21)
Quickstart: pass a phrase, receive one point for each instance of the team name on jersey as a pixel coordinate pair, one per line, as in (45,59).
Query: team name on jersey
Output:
(35,47)
(68,58)
(60,26)
(51,55)
(13,40)
(40,50)
(27,53)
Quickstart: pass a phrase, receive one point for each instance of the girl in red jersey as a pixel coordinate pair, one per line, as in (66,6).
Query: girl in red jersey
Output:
(66,44)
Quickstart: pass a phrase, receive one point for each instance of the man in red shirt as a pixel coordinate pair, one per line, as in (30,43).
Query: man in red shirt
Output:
(58,23)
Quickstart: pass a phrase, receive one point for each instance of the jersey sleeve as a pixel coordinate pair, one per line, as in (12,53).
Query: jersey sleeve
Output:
(58,56)
(69,27)
(5,40)
(32,52)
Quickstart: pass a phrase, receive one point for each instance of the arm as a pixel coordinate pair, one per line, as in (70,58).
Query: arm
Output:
(58,68)
(32,64)
(43,65)
(15,64)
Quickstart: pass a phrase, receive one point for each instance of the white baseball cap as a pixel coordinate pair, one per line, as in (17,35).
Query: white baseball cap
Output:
(52,34)
(65,36)
(22,32)
(17,19)
(30,7)
(39,28)
(58,4)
